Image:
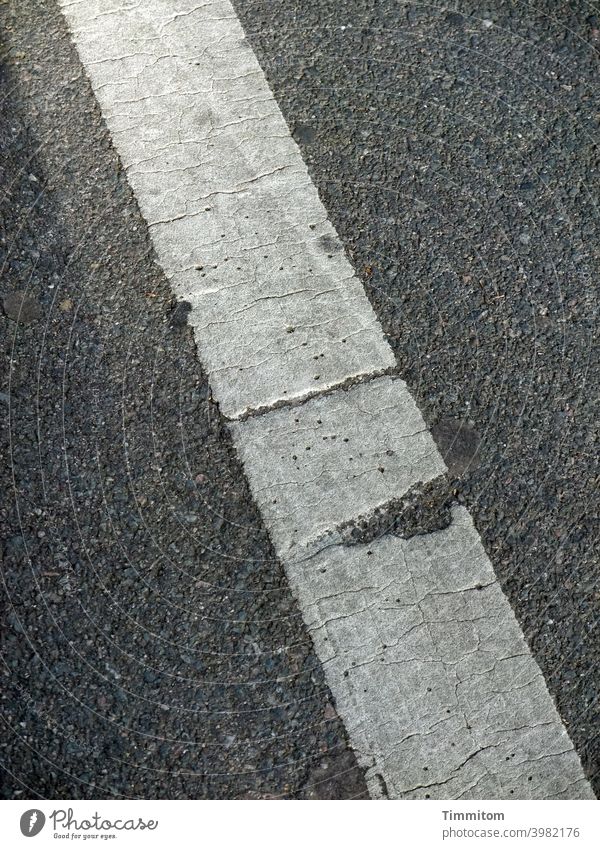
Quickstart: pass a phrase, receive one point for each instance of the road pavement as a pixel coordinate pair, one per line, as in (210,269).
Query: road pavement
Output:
(154,647)
(455,147)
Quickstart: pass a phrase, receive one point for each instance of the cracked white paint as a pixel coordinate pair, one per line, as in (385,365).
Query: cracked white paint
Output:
(333,458)
(428,666)
(236,222)
(432,676)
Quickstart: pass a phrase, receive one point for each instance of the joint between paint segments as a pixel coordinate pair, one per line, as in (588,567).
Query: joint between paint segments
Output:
(299,401)
(425,509)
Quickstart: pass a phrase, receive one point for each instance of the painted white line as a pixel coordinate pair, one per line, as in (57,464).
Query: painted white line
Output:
(334,458)
(440,694)
(431,673)
(236,221)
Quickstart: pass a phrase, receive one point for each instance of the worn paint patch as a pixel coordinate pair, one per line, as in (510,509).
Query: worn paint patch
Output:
(335,457)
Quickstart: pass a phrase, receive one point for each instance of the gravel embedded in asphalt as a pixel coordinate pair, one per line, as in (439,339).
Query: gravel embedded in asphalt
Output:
(152,647)
(456,152)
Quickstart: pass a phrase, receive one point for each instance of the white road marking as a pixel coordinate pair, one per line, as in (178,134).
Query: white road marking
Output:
(236,221)
(334,458)
(440,694)
(431,674)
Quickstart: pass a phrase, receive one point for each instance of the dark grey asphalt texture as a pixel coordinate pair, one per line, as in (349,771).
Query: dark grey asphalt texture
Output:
(150,645)
(455,146)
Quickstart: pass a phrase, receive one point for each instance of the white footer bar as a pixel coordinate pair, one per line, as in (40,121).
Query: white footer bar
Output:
(347,824)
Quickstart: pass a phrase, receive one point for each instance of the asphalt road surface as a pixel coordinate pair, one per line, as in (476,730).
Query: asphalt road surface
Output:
(455,147)
(153,647)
